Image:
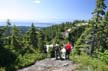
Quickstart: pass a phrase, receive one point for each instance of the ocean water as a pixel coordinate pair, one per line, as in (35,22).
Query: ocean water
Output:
(28,24)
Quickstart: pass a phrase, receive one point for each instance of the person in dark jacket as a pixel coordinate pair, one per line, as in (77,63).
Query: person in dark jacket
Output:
(57,51)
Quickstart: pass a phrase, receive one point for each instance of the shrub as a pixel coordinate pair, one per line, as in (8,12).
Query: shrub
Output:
(2,69)
(28,59)
(103,56)
(87,63)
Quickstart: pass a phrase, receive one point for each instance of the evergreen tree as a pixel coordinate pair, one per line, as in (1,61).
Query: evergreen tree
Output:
(14,38)
(96,24)
(7,57)
(104,33)
(31,37)
(6,34)
(41,40)
(1,39)
(99,11)
(8,23)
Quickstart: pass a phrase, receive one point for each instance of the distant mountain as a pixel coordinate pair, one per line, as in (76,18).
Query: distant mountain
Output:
(23,29)
(24,26)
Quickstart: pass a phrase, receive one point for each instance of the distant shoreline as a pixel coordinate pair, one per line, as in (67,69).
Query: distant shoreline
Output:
(28,24)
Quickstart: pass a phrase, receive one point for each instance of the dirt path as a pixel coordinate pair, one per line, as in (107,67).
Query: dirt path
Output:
(50,64)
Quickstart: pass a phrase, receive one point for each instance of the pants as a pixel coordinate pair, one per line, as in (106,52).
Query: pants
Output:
(57,54)
(67,54)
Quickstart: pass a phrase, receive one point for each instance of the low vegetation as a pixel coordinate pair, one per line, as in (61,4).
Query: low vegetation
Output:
(87,63)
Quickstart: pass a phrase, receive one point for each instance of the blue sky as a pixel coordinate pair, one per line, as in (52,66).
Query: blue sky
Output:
(46,10)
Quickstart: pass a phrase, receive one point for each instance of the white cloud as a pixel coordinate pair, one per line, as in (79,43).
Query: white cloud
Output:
(37,1)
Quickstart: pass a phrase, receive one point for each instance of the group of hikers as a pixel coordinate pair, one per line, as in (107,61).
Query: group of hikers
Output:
(61,51)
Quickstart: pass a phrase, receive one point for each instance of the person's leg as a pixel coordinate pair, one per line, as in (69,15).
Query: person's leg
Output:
(66,54)
(59,54)
(55,54)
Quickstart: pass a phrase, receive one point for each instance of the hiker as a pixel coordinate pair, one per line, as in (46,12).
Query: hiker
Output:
(57,51)
(44,49)
(68,48)
(47,47)
(63,52)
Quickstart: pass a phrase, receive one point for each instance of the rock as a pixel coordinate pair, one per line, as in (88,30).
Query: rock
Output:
(50,64)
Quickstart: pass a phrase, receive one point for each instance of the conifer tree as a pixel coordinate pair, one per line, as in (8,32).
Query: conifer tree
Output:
(31,37)
(104,32)
(99,11)
(98,14)
(14,38)
(6,56)
(6,34)
(1,33)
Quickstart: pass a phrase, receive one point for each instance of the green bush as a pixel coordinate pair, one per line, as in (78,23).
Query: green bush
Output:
(103,56)
(87,63)
(28,59)
(25,60)
(2,69)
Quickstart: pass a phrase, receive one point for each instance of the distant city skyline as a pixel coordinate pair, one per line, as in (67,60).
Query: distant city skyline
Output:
(46,10)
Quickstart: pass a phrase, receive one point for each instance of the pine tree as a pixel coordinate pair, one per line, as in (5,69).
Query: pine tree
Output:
(6,34)
(7,57)
(41,40)
(98,14)
(99,11)
(8,23)
(104,33)
(31,37)
(14,39)
(1,40)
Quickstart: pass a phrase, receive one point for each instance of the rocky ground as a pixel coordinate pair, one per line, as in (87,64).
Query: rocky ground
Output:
(50,64)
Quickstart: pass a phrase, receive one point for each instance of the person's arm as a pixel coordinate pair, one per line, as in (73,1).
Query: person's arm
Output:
(71,46)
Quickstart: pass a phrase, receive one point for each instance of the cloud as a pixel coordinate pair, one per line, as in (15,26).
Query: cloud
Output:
(37,1)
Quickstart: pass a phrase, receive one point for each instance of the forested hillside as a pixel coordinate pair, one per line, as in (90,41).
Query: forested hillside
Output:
(21,47)
(18,50)
(55,32)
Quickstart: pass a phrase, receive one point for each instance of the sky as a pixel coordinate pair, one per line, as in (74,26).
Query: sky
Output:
(46,10)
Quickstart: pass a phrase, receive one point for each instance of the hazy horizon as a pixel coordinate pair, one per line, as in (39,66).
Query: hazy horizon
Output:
(28,23)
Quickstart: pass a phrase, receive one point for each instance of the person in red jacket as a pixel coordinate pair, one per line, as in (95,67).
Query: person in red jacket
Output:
(68,48)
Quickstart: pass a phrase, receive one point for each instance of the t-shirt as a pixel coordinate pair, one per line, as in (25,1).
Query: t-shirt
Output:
(68,47)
